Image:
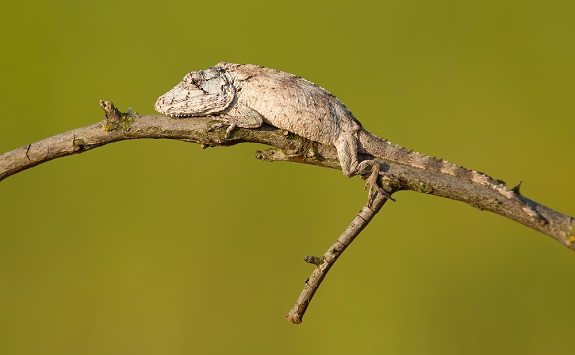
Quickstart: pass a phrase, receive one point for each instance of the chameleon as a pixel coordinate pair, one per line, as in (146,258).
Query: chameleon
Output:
(247,95)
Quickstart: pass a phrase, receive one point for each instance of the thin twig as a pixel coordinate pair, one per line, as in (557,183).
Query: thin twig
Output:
(359,222)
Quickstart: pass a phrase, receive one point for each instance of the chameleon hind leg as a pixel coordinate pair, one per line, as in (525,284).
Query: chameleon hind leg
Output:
(347,150)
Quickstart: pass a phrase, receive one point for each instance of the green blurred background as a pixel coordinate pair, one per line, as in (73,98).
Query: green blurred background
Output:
(160,247)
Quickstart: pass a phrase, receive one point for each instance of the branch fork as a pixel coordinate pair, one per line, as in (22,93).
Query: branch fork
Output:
(119,126)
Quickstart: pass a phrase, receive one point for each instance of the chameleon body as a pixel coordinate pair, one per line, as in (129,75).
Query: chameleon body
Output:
(245,95)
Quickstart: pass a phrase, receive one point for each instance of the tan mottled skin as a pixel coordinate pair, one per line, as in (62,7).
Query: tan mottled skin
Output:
(245,95)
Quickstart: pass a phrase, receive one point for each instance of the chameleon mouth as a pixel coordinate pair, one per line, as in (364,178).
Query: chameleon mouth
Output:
(180,102)
(169,106)
(178,115)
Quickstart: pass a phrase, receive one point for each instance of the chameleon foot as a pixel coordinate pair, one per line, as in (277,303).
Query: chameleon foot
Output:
(372,180)
(231,126)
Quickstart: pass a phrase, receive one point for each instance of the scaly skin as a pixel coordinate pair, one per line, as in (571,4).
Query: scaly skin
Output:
(245,95)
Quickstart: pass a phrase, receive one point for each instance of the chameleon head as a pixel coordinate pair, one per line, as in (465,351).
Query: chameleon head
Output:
(200,93)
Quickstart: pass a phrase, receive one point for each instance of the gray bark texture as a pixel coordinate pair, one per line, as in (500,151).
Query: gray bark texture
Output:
(290,147)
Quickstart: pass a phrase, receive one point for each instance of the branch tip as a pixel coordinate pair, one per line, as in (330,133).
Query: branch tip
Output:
(360,221)
(310,259)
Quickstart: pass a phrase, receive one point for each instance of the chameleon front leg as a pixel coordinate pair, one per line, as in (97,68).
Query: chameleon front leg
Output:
(239,116)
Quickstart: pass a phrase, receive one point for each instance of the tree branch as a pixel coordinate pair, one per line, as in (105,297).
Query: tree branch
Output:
(289,147)
(328,259)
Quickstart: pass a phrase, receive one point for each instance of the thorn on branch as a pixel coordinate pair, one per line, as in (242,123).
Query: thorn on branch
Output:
(312,259)
(516,188)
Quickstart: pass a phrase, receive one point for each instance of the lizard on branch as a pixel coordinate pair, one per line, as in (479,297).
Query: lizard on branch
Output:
(246,95)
